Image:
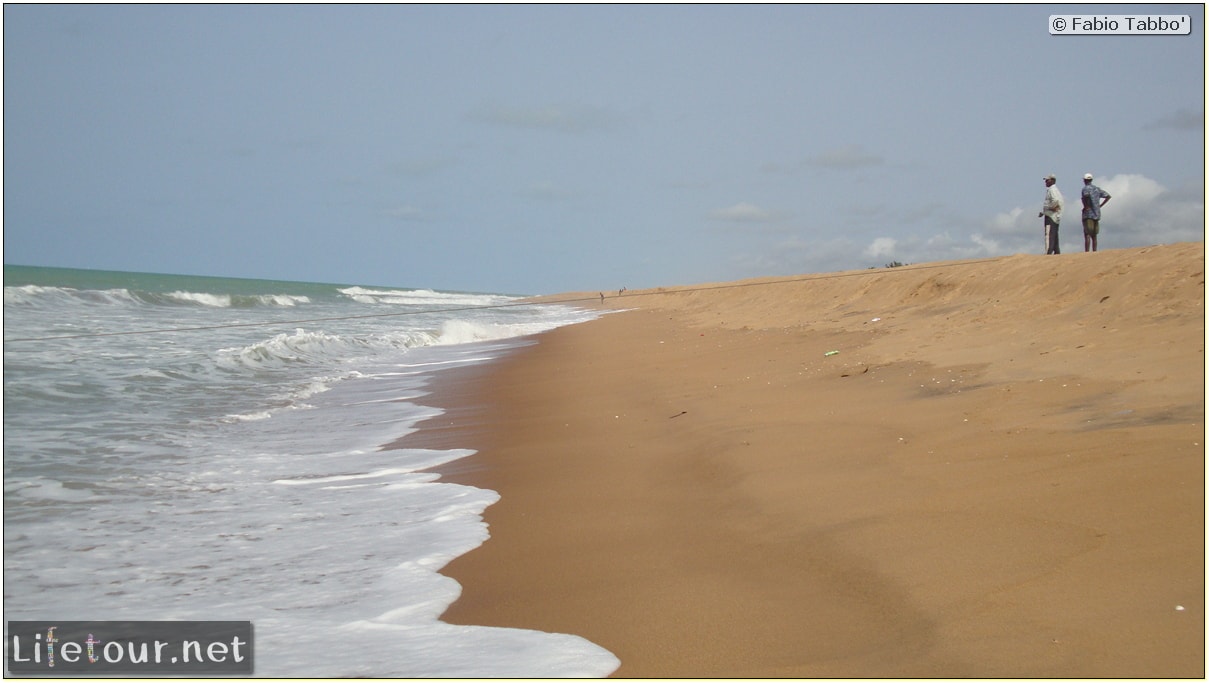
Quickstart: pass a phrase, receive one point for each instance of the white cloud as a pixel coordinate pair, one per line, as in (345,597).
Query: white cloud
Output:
(845,157)
(928,211)
(1133,190)
(882,247)
(744,213)
(1184,119)
(1009,223)
(938,247)
(984,245)
(1141,212)
(561,118)
(848,156)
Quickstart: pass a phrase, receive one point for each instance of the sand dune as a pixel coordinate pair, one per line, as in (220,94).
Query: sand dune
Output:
(975,468)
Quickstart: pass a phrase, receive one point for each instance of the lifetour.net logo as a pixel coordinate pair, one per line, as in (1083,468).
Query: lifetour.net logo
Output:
(106,648)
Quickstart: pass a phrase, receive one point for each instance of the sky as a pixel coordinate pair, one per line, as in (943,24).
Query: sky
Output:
(533,149)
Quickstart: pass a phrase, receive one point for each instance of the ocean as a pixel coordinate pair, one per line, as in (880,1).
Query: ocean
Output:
(194,448)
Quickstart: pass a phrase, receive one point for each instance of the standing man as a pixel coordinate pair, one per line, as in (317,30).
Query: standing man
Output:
(1093,199)
(1051,210)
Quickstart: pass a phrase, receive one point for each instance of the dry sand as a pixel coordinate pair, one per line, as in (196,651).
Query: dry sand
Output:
(999,474)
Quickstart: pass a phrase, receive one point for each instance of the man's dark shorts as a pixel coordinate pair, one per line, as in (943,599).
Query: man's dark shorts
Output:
(1091,226)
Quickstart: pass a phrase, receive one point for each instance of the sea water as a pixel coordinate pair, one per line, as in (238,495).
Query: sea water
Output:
(183,448)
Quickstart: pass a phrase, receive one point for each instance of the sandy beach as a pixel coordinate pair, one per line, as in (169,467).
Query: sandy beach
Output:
(989,468)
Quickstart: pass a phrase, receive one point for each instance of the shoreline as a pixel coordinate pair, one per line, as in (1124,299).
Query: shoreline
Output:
(984,481)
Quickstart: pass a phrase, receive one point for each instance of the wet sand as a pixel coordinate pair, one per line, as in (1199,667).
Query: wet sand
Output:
(999,473)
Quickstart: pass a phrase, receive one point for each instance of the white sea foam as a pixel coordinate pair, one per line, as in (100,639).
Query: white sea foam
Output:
(26,294)
(465,332)
(39,295)
(202,298)
(283,300)
(44,488)
(234,472)
(423,297)
(249,417)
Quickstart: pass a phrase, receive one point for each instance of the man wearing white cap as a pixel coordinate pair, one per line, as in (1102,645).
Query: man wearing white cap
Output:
(1051,210)
(1093,199)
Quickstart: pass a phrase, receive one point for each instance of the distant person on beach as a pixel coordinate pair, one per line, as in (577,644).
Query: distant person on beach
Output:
(1051,210)
(1093,199)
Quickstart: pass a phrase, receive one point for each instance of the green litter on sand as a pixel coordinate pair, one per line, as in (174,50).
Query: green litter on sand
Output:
(831,353)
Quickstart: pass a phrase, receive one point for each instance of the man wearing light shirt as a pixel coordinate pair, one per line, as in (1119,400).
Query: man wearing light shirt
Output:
(1051,210)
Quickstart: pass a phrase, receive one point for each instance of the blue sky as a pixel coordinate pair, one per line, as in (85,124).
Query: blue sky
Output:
(540,149)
